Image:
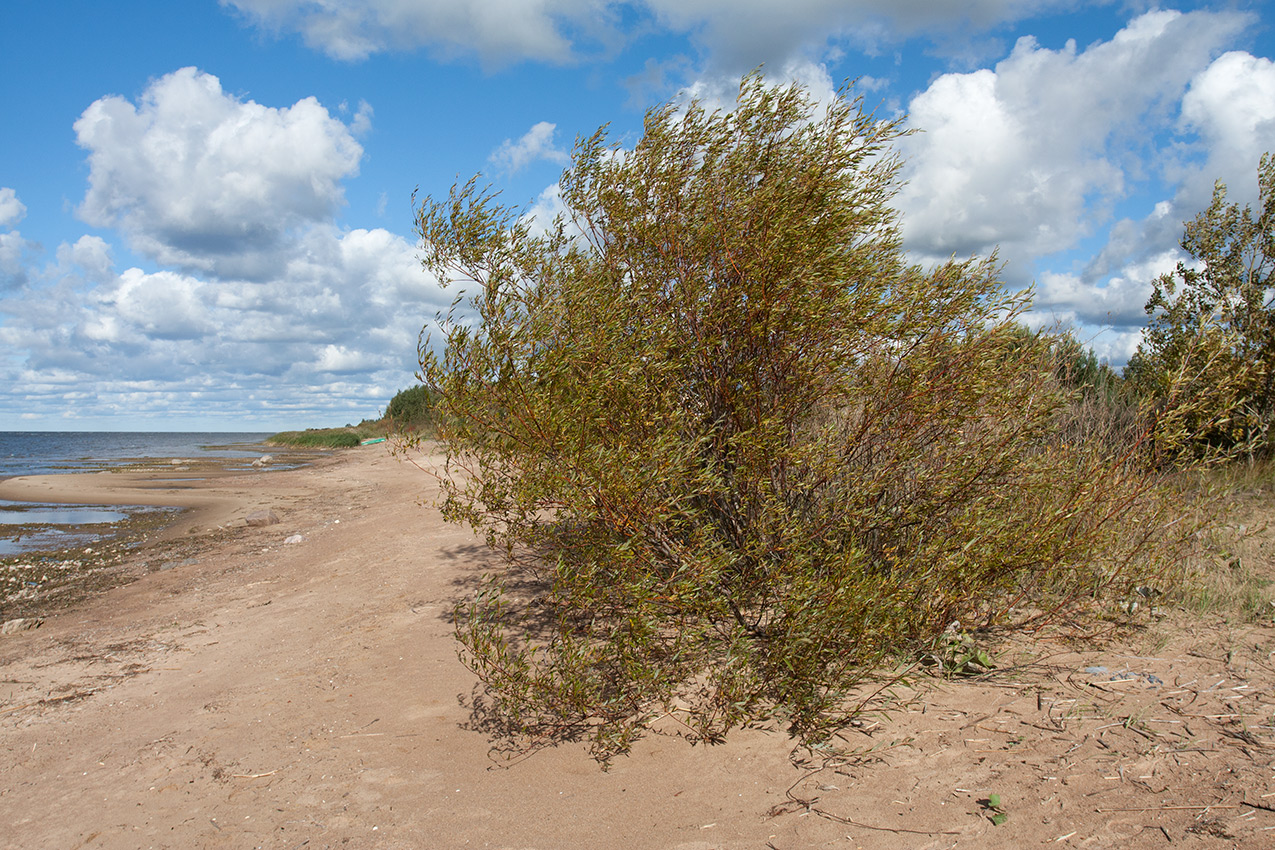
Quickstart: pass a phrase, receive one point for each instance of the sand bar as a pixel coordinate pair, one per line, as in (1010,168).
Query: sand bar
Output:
(216,498)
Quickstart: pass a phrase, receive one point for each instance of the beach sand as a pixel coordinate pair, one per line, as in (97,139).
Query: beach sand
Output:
(261,693)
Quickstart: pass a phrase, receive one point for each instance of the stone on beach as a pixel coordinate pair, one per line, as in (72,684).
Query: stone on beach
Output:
(257,519)
(21,624)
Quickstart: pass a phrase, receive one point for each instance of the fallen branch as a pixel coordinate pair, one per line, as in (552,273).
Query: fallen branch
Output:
(809,805)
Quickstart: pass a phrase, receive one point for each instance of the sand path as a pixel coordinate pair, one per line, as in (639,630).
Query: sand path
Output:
(308,695)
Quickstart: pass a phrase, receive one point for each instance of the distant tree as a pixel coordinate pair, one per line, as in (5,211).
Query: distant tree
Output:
(734,450)
(1076,365)
(1098,411)
(411,408)
(1207,360)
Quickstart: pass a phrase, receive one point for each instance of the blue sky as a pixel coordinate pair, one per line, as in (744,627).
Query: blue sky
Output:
(205,207)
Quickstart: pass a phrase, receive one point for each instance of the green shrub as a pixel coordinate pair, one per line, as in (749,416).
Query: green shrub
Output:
(735,451)
(326,438)
(1206,367)
(411,409)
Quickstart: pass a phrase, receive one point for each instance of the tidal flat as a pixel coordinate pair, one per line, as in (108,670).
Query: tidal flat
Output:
(67,536)
(57,563)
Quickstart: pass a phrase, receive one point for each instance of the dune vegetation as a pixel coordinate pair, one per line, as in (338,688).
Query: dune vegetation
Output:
(740,455)
(410,413)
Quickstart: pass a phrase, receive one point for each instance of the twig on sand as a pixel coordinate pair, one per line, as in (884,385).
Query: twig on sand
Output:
(896,829)
(50,700)
(1261,806)
(255,775)
(809,805)
(1175,808)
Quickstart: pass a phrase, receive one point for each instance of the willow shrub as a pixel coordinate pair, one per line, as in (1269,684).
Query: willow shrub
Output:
(411,410)
(1206,366)
(735,451)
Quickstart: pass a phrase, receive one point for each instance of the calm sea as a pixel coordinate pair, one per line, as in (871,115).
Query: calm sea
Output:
(42,452)
(27,526)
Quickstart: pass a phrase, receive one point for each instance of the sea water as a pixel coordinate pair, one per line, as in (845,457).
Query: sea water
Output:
(32,526)
(44,452)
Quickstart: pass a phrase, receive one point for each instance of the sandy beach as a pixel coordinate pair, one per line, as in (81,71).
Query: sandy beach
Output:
(263,693)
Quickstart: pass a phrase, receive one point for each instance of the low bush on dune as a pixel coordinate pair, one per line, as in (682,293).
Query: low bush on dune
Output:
(409,414)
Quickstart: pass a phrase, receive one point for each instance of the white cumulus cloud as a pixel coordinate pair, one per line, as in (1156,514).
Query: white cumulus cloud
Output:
(498,31)
(1231,105)
(338,358)
(721,91)
(334,335)
(1119,301)
(199,179)
(536,144)
(13,247)
(91,254)
(362,122)
(743,33)
(738,34)
(11,209)
(546,208)
(1033,154)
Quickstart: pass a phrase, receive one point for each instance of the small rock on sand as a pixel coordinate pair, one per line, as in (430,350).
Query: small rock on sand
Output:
(256,519)
(21,624)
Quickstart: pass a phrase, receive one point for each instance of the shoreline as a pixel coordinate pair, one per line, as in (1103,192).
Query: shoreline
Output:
(165,502)
(25,453)
(147,482)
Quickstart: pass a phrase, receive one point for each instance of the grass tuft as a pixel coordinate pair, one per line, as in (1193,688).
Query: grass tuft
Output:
(325,438)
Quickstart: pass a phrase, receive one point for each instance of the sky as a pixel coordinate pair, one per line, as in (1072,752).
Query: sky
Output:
(206,215)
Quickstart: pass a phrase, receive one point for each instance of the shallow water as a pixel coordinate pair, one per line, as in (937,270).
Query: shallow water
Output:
(33,527)
(35,513)
(45,540)
(38,527)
